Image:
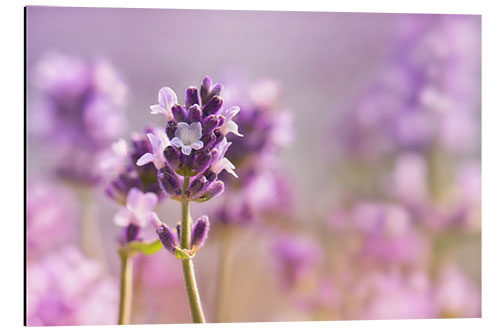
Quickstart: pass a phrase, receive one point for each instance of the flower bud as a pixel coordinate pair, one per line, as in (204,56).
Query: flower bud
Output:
(207,139)
(191,97)
(213,106)
(209,123)
(173,157)
(206,86)
(201,161)
(169,182)
(200,232)
(213,190)
(167,237)
(198,187)
(179,113)
(194,113)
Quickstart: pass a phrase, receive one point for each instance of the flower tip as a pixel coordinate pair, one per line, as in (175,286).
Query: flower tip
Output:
(207,81)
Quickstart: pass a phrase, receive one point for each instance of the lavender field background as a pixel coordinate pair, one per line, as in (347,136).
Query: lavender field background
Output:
(359,194)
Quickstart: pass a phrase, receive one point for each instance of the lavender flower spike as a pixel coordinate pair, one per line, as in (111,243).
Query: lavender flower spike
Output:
(199,233)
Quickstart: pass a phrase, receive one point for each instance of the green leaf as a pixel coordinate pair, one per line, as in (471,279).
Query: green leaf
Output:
(144,248)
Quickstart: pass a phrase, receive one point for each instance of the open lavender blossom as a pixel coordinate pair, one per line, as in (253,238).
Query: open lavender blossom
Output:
(196,142)
(133,217)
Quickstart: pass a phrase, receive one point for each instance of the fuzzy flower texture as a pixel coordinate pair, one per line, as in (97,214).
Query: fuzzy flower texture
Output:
(195,143)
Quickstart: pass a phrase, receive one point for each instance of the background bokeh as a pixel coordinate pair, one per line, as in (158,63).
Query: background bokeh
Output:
(382,178)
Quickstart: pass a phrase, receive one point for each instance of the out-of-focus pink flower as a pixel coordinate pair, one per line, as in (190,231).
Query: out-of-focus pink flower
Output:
(395,296)
(65,288)
(81,108)
(295,258)
(388,235)
(51,217)
(409,178)
(457,295)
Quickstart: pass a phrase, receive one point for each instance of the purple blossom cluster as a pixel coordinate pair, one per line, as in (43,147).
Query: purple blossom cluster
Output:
(196,143)
(80,112)
(426,96)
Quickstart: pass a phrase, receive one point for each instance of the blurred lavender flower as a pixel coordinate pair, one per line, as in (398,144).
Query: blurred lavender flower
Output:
(388,235)
(457,295)
(65,288)
(51,217)
(428,95)
(295,258)
(80,112)
(266,127)
(196,143)
(395,296)
(126,173)
(133,217)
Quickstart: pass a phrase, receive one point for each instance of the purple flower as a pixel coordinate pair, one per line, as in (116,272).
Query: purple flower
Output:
(197,132)
(81,113)
(159,142)
(128,173)
(427,96)
(295,257)
(134,215)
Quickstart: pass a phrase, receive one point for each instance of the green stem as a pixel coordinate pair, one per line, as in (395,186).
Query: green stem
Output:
(125,288)
(187,264)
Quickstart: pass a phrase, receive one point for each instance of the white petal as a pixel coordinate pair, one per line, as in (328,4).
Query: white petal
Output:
(155,142)
(177,142)
(157,109)
(229,167)
(167,98)
(186,150)
(123,217)
(230,127)
(195,128)
(231,112)
(197,145)
(182,127)
(145,159)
